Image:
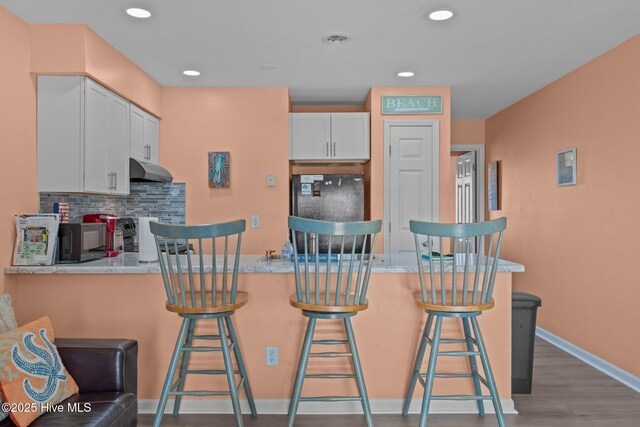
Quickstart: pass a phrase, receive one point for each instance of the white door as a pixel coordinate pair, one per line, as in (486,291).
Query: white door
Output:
(466,188)
(466,194)
(412,181)
(96,173)
(350,136)
(310,136)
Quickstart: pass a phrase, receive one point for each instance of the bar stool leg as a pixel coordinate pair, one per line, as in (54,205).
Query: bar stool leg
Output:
(488,373)
(359,377)
(302,368)
(416,367)
(241,366)
(184,365)
(171,372)
(228,364)
(473,364)
(431,371)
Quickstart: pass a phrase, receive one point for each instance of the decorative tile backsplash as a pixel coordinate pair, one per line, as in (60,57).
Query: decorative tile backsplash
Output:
(167,201)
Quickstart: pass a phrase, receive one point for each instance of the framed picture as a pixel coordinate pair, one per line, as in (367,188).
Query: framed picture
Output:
(492,187)
(219,173)
(566,167)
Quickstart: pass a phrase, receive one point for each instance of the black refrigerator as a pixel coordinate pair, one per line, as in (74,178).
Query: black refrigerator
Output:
(338,198)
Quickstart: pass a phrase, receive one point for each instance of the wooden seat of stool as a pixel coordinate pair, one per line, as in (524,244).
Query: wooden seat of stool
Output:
(458,308)
(241,299)
(322,308)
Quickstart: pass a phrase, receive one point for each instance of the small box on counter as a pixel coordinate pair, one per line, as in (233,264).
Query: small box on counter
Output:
(36,239)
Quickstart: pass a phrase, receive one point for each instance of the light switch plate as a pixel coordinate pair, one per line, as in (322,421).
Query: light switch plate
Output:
(255,221)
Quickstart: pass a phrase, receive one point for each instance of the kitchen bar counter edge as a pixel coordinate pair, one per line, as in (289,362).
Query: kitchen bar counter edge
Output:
(128,263)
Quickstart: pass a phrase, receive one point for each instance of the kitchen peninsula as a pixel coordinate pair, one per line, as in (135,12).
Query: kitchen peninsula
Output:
(122,297)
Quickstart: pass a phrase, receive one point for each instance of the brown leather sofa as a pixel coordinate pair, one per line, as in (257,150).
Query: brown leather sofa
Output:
(106,371)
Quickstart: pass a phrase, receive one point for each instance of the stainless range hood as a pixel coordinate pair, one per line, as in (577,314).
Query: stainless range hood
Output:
(140,171)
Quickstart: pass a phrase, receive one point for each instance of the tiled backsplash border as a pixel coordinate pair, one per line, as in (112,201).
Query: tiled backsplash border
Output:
(167,201)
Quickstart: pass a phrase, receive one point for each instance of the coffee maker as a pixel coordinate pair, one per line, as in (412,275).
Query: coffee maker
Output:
(110,221)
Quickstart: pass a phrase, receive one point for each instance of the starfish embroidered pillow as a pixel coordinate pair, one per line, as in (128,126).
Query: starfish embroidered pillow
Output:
(32,376)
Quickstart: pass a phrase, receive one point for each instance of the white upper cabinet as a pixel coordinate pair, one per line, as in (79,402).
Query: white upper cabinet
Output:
(83,137)
(145,136)
(329,136)
(350,136)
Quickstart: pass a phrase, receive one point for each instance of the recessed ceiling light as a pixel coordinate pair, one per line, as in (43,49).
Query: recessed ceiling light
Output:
(336,38)
(406,74)
(440,14)
(136,12)
(191,73)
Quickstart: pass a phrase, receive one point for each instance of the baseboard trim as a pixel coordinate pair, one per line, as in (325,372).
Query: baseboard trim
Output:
(280,406)
(618,374)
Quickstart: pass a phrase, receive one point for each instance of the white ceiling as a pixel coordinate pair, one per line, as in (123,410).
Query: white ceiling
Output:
(493,53)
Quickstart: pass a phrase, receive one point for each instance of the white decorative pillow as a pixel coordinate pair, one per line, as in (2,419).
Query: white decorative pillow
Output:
(7,316)
(7,322)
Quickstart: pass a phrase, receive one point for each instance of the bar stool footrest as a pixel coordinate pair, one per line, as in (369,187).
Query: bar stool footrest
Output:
(450,375)
(208,337)
(450,341)
(199,393)
(459,353)
(209,372)
(330,399)
(329,342)
(330,376)
(331,354)
(460,397)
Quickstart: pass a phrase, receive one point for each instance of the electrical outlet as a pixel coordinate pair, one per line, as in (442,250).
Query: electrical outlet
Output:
(255,221)
(272,356)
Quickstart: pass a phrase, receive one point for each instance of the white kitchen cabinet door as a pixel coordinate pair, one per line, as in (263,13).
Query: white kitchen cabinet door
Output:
(310,136)
(83,137)
(145,136)
(96,173)
(350,136)
(152,138)
(329,136)
(137,121)
(118,144)
(60,134)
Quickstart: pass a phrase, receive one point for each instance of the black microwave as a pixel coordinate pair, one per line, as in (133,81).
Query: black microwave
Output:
(78,242)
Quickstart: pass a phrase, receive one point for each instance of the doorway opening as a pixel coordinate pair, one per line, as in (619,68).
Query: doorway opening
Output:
(469,179)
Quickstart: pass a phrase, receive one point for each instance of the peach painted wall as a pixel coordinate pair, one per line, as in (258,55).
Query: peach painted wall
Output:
(580,242)
(253,125)
(73,49)
(327,108)
(133,306)
(57,48)
(376,165)
(467,131)
(18,129)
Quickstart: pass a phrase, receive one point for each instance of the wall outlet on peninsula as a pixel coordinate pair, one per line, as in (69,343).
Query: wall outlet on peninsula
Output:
(272,356)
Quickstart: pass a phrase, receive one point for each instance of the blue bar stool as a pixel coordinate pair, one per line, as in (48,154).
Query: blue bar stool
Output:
(466,301)
(325,299)
(202,295)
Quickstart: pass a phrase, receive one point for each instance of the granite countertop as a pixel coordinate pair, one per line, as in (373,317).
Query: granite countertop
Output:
(128,263)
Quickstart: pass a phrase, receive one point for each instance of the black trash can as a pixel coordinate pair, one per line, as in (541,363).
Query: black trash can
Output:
(523,334)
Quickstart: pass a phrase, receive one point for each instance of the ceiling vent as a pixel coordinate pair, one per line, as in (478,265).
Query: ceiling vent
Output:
(336,38)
